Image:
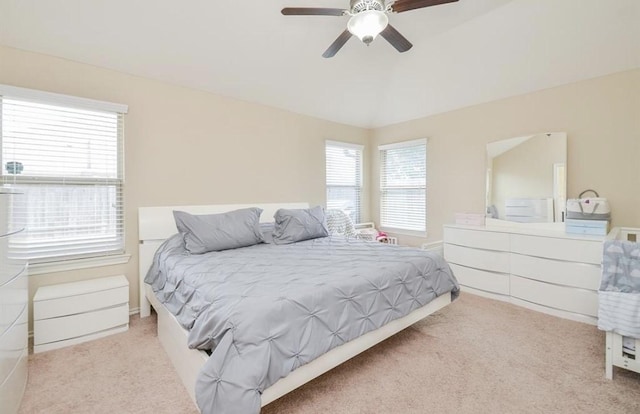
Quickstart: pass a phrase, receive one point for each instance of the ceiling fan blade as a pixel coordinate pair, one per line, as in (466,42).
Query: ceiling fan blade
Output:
(400,6)
(312,11)
(394,37)
(337,44)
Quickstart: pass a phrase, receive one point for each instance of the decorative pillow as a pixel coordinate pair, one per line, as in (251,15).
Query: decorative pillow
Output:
(215,232)
(339,222)
(299,224)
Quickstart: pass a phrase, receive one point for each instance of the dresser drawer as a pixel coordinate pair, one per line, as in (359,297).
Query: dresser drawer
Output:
(487,240)
(13,301)
(10,271)
(12,389)
(73,326)
(480,259)
(52,308)
(564,298)
(481,279)
(586,251)
(12,344)
(559,272)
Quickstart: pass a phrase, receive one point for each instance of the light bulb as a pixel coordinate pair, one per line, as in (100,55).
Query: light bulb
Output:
(367,25)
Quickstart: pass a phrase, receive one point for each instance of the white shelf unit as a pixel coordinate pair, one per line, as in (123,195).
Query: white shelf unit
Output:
(617,355)
(543,270)
(72,313)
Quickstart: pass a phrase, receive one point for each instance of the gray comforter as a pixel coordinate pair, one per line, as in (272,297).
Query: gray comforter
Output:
(267,309)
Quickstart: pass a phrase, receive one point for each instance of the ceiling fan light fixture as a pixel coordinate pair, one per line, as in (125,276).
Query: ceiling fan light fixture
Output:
(367,25)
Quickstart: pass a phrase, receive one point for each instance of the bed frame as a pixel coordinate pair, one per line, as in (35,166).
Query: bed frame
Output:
(155,224)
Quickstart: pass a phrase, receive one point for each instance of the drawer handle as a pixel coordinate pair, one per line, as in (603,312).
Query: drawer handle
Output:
(14,277)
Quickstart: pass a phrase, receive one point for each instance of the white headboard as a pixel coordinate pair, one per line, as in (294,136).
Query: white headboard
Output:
(156,224)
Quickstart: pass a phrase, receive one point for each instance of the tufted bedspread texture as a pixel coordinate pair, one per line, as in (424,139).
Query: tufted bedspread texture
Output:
(268,309)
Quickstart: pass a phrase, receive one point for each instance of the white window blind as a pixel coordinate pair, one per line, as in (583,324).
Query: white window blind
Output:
(68,162)
(344,177)
(403,182)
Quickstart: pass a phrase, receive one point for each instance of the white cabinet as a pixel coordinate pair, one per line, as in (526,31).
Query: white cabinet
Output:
(14,298)
(547,271)
(71,313)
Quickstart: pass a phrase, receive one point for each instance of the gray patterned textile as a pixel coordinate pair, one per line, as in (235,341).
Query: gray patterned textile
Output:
(339,223)
(267,309)
(619,294)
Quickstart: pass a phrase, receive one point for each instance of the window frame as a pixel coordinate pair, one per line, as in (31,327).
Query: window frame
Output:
(382,189)
(86,260)
(360,178)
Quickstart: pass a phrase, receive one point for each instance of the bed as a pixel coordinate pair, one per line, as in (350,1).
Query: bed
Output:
(156,225)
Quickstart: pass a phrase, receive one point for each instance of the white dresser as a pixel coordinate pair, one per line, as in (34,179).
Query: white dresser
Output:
(544,270)
(13,312)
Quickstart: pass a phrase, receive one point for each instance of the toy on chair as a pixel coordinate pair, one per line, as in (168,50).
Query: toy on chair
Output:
(382,237)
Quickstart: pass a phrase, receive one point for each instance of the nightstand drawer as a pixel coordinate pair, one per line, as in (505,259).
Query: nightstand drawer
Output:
(73,326)
(53,308)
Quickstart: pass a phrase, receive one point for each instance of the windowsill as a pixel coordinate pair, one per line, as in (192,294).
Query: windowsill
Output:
(76,264)
(402,232)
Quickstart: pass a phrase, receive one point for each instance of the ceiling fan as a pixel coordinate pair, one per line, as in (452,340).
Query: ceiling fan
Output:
(368,20)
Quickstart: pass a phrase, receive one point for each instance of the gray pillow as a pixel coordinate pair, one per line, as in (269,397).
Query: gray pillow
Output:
(215,232)
(300,224)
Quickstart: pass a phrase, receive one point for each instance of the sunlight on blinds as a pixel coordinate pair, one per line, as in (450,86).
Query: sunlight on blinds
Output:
(344,178)
(403,179)
(68,163)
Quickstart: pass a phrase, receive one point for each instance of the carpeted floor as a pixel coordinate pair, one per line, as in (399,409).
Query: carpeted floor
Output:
(475,356)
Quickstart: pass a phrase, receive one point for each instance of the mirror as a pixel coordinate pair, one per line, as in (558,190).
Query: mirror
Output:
(526,178)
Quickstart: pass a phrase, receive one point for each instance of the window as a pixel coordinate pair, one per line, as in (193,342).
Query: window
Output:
(403,182)
(344,177)
(65,155)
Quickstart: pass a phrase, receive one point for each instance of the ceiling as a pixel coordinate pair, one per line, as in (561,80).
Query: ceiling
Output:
(464,53)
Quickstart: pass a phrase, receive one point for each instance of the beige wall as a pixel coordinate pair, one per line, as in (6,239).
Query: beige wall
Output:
(600,116)
(188,147)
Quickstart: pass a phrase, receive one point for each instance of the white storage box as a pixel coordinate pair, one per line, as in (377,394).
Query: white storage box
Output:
(590,227)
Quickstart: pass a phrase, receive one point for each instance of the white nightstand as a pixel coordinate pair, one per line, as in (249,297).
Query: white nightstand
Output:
(71,313)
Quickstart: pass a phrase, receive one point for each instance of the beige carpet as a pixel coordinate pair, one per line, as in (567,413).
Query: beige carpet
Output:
(475,356)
